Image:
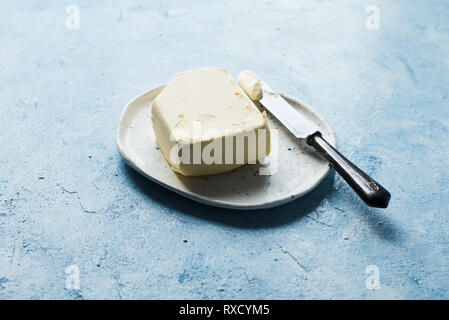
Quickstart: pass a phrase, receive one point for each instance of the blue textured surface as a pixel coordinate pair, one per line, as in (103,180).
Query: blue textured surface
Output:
(62,91)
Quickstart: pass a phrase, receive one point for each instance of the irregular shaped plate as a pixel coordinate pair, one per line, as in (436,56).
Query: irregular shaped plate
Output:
(300,168)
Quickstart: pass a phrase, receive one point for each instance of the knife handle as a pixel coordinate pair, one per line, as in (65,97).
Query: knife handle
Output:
(371,192)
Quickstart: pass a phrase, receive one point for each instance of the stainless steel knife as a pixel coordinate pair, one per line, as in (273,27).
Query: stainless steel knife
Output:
(370,191)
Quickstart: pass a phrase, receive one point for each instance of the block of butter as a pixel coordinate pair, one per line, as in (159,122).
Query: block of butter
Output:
(205,123)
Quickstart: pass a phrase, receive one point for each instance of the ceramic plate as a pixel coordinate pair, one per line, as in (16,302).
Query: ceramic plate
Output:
(299,170)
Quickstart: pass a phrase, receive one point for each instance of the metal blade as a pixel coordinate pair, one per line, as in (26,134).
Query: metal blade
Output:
(299,125)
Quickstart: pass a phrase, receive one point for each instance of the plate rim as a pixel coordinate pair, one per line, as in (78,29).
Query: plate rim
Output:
(220,203)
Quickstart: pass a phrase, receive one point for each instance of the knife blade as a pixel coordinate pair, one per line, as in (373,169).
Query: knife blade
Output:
(296,123)
(370,191)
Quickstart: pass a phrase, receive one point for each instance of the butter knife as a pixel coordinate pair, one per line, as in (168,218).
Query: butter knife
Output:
(370,191)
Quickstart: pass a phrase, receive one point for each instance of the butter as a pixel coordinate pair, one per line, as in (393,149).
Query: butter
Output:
(205,124)
(251,84)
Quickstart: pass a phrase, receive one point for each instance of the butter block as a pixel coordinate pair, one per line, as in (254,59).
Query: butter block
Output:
(251,84)
(205,124)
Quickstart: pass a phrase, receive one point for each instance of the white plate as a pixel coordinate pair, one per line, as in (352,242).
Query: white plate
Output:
(300,169)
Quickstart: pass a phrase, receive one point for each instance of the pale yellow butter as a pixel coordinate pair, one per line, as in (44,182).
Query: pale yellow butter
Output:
(251,84)
(204,117)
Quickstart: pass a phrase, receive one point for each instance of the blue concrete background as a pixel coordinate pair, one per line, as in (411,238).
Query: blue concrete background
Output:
(67,198)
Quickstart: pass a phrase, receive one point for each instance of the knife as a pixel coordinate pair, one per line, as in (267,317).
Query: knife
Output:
(370,191)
